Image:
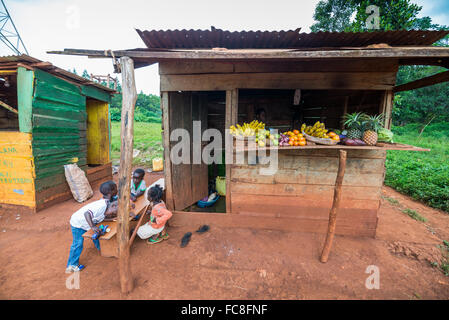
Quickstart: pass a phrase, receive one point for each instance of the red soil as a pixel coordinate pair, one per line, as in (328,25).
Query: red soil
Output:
(229,263)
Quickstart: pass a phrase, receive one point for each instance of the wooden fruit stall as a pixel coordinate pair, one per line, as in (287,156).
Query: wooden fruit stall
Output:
(224,78)
(55,118)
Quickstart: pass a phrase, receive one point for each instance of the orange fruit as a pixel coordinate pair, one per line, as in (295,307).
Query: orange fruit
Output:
(290,142)
(296,131)
(300,135)
(296,143)
(302,143)
(331,134)
(302,139)
(337,138)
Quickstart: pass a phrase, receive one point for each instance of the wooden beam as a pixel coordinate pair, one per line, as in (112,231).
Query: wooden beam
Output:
(303,80)
(386,107)
(424,82)
(8,107)
(334,65)
(345,111)
(7,72)
(126,156)
(231,118)
(335,206)
(165,106)
(427,52)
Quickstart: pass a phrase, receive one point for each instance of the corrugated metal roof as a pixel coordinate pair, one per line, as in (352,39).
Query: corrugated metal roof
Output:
(25,59)
(290,39)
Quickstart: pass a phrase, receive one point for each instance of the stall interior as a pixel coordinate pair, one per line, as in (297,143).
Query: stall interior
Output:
(9,120)
(276,108)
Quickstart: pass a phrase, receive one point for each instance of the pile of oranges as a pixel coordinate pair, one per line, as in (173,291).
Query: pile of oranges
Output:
(295,138)
(334,136)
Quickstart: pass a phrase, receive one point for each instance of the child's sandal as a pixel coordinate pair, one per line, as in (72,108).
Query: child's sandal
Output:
(165,236)
(152,241)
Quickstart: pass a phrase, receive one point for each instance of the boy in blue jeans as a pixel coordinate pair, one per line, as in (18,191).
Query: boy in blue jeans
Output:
(86,218)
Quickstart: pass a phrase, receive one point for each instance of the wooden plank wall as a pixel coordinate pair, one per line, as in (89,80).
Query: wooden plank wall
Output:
(59,135)
(361,74)
(302,189)
(190,182)
(16,169)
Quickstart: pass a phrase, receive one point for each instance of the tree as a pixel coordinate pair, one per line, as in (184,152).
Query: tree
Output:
(421,105)
(333,15)
(86,74)
(393,15)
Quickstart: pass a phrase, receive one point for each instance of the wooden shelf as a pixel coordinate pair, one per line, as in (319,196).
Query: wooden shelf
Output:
(379,146)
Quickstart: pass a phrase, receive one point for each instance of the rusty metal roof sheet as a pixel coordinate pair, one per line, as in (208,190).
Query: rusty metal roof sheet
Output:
(290,39)
(34,63)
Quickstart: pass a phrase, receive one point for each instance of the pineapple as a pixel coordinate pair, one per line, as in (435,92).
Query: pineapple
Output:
(354,125)
(372,124)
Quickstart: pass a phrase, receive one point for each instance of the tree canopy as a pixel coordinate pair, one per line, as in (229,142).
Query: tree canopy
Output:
(415,106)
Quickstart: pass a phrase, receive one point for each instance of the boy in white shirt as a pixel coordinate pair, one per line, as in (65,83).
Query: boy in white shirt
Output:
(86,218)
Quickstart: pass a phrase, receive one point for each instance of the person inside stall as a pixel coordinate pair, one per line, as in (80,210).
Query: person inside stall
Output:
(261,115)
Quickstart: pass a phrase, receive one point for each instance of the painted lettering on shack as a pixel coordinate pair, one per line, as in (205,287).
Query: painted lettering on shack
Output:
(5,150)
(6,163)
(15,180)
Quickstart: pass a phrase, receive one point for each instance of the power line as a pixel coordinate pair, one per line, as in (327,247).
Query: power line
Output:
(9,35)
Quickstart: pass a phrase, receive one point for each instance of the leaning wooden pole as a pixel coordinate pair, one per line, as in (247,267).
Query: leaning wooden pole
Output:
(129,97)
(335,205)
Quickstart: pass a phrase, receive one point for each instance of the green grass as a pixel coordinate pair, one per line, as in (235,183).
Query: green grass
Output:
(414,215)
(443,266)
(422,175)
(147,139)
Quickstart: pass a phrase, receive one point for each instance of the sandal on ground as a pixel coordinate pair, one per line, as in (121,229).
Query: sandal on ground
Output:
(152,241)
(185,240)
(203,228)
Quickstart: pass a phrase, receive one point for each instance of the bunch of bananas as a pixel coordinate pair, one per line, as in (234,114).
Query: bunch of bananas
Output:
(247,129)
(318,130)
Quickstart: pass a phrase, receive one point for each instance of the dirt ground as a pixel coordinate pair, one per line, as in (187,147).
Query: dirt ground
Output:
(229,263)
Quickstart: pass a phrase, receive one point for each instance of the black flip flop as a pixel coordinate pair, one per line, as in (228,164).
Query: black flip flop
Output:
(185,240)
(203,228)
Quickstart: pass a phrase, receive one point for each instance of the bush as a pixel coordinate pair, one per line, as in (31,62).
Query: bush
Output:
(422,175)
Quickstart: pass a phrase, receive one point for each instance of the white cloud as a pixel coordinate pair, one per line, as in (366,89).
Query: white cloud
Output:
(104,24)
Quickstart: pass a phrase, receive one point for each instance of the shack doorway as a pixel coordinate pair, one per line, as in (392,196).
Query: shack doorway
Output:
(196,112)
(9,118)
(97,132)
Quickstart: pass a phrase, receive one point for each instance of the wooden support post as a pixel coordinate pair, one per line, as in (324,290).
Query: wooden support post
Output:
(345,111)
(165,107)
(8,107)
(386,107)
(335,205)
(139,223)
(126,156)
(231,118)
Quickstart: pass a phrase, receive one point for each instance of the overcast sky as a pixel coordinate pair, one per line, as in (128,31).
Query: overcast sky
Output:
(105,24)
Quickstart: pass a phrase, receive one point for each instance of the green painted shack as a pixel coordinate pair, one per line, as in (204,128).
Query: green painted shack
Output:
(49,117)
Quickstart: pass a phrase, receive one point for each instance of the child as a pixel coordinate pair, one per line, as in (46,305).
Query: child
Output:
(86,218)
(138,186)
(154,230)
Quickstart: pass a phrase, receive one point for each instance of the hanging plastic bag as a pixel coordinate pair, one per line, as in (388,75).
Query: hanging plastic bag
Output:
(78,183)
